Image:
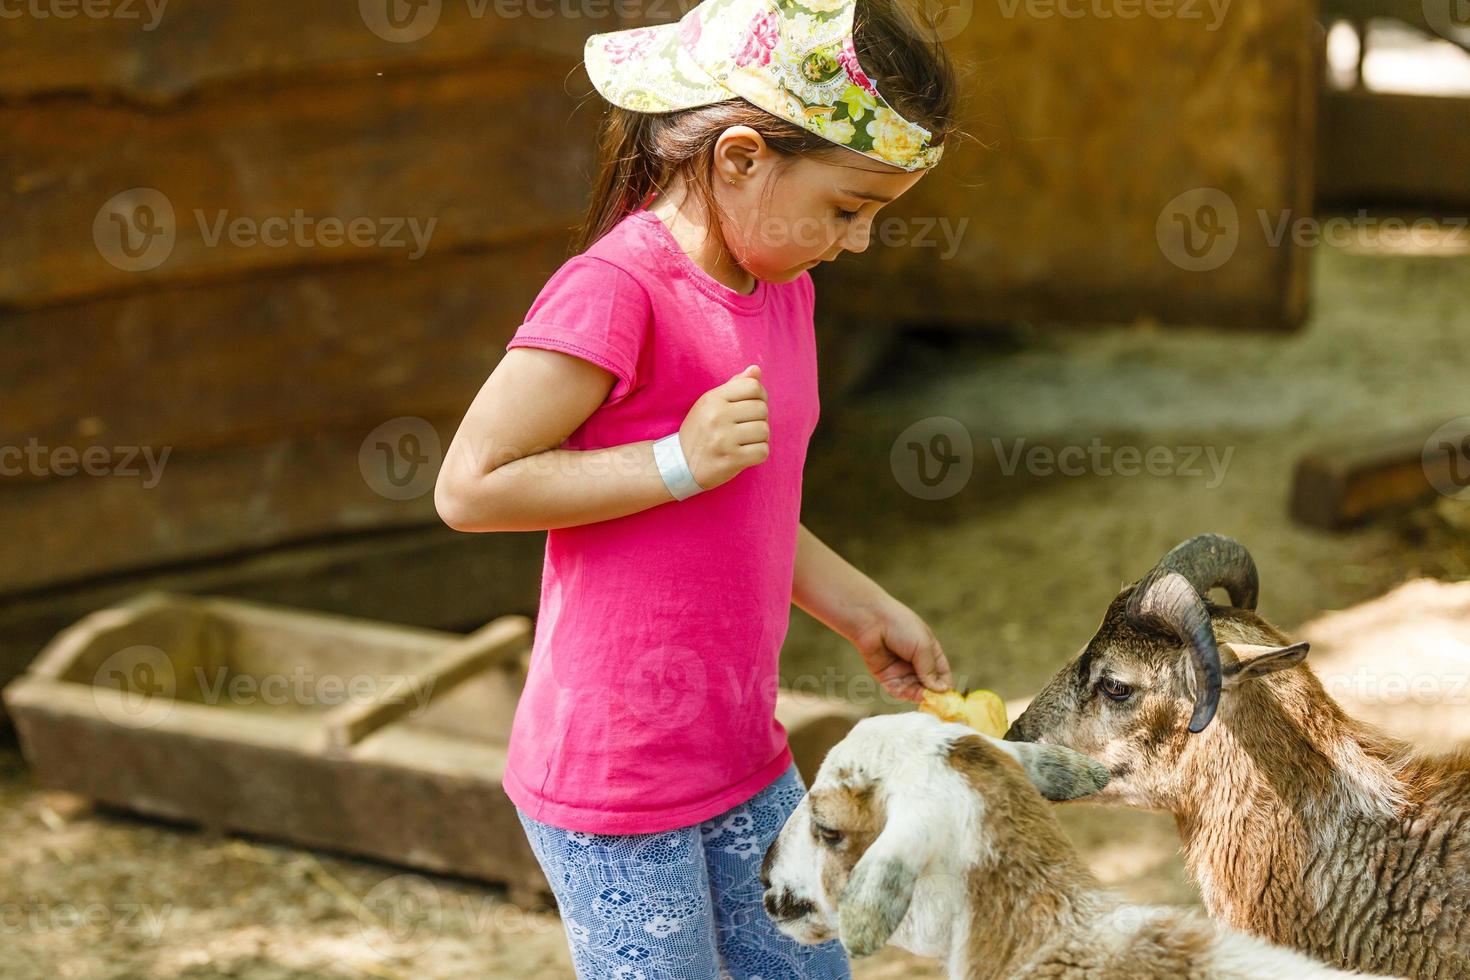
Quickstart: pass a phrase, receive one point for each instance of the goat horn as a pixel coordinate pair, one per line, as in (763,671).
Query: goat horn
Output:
(1167,598)
(1210,560)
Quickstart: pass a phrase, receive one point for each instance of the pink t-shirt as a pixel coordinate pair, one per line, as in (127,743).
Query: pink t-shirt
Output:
(650,701)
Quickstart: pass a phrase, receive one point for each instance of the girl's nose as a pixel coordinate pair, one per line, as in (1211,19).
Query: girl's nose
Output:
(858,236)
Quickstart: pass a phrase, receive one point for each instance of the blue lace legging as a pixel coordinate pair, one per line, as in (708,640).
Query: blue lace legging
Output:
(682,904)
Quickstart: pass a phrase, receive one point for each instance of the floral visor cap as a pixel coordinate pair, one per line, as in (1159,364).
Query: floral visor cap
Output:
(792,58)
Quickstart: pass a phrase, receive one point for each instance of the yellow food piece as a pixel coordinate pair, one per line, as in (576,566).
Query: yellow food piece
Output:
(982,710)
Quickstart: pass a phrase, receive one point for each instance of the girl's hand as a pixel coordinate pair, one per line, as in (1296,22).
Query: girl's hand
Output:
(727,430)
(900,650)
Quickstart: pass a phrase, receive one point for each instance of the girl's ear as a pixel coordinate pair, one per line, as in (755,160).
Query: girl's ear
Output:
(1247,661)
(738,151)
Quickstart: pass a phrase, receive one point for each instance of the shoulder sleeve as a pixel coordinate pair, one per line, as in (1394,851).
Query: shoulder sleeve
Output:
(594,310)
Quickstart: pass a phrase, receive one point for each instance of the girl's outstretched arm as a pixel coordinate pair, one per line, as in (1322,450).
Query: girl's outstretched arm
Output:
(504,472)
(898,647)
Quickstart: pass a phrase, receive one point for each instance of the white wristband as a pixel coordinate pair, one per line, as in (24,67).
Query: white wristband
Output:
(674,468)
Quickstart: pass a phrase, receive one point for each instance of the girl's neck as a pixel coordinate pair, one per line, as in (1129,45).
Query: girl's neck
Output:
(690,226)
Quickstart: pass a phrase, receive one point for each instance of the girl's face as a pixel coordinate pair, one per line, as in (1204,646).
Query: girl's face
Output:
(785,216)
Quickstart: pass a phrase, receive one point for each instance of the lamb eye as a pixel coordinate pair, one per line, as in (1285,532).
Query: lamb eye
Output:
(1114,689)
(827,835)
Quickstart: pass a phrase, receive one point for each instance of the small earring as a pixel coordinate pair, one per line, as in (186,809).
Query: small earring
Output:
(732,180)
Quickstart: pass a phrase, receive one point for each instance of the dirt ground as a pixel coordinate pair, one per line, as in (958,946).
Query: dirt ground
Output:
(1013,573)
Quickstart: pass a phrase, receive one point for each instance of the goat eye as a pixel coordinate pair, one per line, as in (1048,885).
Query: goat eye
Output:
(827,835)
(1114,689)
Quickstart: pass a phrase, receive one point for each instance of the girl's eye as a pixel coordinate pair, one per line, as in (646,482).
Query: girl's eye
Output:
(1114,689)
(827,835)
(846,215)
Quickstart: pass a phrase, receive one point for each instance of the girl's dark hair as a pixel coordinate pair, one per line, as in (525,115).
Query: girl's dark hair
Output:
(638,152)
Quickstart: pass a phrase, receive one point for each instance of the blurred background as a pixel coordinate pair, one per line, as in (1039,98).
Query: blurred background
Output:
(1198,265)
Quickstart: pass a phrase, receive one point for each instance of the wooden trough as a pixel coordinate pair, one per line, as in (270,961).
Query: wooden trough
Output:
(347,734)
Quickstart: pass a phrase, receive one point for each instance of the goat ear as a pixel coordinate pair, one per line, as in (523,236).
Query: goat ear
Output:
(1058,772)
(1248,661)
(875,899)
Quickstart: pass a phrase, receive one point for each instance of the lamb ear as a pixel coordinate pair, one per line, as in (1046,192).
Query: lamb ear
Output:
(875,899)
(1247,661)
(1059,773)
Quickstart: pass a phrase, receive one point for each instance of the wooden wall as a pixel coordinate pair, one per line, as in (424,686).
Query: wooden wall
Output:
(260,369)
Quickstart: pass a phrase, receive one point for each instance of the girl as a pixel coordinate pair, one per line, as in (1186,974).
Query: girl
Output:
(653,412)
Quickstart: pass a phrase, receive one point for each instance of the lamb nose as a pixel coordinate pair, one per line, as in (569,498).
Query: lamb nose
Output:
(772,906)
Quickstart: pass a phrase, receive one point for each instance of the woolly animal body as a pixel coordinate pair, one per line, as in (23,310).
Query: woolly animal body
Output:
(936,839)
(1299,824)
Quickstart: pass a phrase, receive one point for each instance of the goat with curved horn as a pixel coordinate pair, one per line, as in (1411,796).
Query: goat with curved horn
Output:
(1213,560)
(1172,595)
